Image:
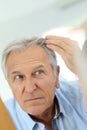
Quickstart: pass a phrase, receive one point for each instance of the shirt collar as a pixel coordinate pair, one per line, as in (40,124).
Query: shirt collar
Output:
(60,105)
(56,107)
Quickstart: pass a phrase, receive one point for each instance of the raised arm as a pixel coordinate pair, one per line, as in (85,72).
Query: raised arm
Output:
(68,49)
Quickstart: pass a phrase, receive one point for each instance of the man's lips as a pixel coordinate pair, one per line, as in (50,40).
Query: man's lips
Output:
(32,99)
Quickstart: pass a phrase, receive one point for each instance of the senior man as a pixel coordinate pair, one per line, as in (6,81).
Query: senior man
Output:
(41,101)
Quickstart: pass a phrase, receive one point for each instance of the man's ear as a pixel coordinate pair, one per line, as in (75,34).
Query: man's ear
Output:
(58,70)
(57,77)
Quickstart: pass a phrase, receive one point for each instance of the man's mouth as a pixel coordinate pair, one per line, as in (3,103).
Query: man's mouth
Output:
(32,99)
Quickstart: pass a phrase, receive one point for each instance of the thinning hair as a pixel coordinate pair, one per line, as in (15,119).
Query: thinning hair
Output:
(20,45)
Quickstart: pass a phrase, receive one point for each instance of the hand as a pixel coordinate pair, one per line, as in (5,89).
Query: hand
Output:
(66,48)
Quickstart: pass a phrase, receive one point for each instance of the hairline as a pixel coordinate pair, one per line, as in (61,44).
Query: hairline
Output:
(23,44)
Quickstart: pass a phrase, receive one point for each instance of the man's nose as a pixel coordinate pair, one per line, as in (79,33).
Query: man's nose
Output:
(29,85)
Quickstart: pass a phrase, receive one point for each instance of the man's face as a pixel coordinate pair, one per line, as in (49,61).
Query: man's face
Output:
(32,79)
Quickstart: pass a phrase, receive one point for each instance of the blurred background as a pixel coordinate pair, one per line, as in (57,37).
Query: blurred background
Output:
(25,18)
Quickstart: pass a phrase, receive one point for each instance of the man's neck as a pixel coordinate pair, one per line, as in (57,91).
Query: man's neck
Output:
(46,117)
(49,114)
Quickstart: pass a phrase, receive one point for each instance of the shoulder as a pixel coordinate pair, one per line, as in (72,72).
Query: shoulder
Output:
(70,93)
(11,106)
(10,103)
(71,88)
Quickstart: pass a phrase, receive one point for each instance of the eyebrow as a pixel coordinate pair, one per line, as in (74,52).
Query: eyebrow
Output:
(15,72)
(40,66)
(18,72)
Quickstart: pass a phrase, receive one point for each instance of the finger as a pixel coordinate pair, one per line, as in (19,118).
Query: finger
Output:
(55,37)
(59,44)
(57,49)
(67,45)
(56,43)
(51,37)
(65,55)
(62,39)
(68,58)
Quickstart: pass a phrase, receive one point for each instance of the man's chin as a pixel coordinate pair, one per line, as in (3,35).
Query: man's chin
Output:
(34,111)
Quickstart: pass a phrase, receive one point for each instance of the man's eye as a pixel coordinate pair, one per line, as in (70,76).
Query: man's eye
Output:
(39,72)
(19,77)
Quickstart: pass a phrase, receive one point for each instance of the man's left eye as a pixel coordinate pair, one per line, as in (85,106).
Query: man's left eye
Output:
(38,72)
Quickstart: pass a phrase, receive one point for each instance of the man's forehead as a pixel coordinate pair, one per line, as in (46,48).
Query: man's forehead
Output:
(33,56)
(18,71)
(36,49)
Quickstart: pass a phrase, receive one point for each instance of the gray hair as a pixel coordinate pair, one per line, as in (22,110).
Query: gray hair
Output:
(19,45)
